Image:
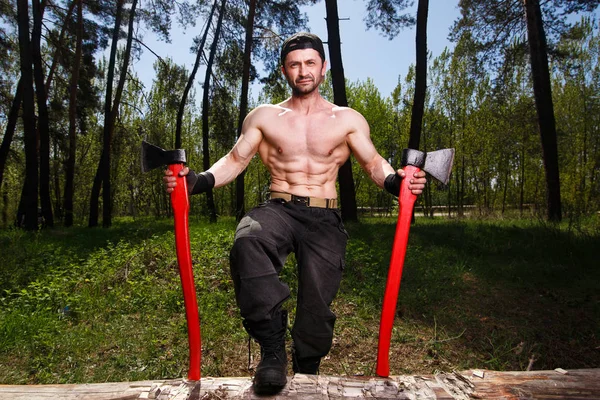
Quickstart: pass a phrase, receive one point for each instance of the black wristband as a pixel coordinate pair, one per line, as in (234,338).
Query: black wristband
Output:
(199,183)
(392,184)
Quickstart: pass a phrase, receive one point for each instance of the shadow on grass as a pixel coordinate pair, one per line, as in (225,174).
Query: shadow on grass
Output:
(497,295)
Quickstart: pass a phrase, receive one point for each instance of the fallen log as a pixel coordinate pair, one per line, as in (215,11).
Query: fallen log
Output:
(581,384)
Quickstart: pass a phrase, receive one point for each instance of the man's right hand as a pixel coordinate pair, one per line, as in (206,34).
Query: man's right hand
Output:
(196,183)
(171,181)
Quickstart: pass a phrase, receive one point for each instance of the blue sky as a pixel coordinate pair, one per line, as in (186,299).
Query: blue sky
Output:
(369,54)
(364,53)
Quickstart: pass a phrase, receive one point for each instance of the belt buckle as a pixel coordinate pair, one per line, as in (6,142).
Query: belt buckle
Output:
(302,200)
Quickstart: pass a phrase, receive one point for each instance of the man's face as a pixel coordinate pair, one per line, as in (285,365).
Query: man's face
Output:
(304,70)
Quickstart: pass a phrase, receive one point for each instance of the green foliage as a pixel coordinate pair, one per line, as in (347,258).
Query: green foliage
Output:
(576,91)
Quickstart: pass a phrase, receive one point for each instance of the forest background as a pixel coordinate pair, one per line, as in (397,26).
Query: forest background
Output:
(74,114)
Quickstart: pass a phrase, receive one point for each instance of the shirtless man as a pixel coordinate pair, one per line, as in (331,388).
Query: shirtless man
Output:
(302,141)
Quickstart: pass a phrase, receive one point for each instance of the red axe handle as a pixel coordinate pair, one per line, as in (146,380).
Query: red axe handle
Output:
(181,207)
(406,203)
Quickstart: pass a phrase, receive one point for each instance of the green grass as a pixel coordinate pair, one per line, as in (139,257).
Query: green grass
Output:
(95,305)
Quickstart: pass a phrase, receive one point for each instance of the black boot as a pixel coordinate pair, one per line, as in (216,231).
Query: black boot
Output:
(271,372)
(305,365)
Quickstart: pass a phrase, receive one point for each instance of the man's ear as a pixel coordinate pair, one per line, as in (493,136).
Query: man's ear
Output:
(324,69)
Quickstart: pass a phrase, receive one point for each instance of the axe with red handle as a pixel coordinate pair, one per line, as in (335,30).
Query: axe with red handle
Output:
(154,157)
(439,165)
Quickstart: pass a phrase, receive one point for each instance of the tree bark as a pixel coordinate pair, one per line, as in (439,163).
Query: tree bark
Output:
(345,178)
(239,187)
(42,107)
(107,193)
(13,116)
(206,109)
(27,215)
(104,165)
(57,168)
(545,109)
(190,81)
(56,55)
(418,107)
(70,164)
(522,176)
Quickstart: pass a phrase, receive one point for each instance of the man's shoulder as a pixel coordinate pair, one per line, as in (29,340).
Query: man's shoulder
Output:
(343,110)
(339,111)
(266,110)
(270,108)
(346,113)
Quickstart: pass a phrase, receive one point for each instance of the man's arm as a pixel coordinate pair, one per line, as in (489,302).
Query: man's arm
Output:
(226,169)
(233,163)
(377,167)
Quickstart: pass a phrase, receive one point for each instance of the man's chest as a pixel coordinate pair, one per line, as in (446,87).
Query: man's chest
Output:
(314,137)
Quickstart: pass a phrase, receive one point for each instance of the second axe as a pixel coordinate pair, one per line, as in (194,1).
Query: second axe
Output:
(439,165)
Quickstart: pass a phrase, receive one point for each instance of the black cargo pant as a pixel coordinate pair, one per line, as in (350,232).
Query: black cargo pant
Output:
(263,240)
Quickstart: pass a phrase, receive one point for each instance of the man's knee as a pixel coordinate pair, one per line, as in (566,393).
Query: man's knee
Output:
(255,267)
(312,333)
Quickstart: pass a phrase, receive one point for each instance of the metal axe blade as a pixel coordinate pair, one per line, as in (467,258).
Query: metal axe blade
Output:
(439,164)
(152,156)
(436,163)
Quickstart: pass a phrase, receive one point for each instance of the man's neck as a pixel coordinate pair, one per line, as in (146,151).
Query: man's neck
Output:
(307,103)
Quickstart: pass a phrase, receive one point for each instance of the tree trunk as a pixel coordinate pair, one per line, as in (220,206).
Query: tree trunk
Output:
(418,107)
(95,195)
(522,177)
(57,50)
(101,179)
(505,191)
(190,81)
(57,168)
(13,116)
(27,215)
(70,165)
(345,178)
(545,109)
(42,122)
(4,207)
(239,187)
(206,109)
(461,186)
(107,193)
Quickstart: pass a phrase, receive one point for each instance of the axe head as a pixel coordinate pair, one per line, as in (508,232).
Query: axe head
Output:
(153,156)
(436,163)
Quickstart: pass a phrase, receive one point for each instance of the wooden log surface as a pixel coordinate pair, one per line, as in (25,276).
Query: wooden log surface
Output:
(472,384)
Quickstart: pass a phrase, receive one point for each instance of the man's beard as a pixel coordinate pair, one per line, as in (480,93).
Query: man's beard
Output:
(304,89)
